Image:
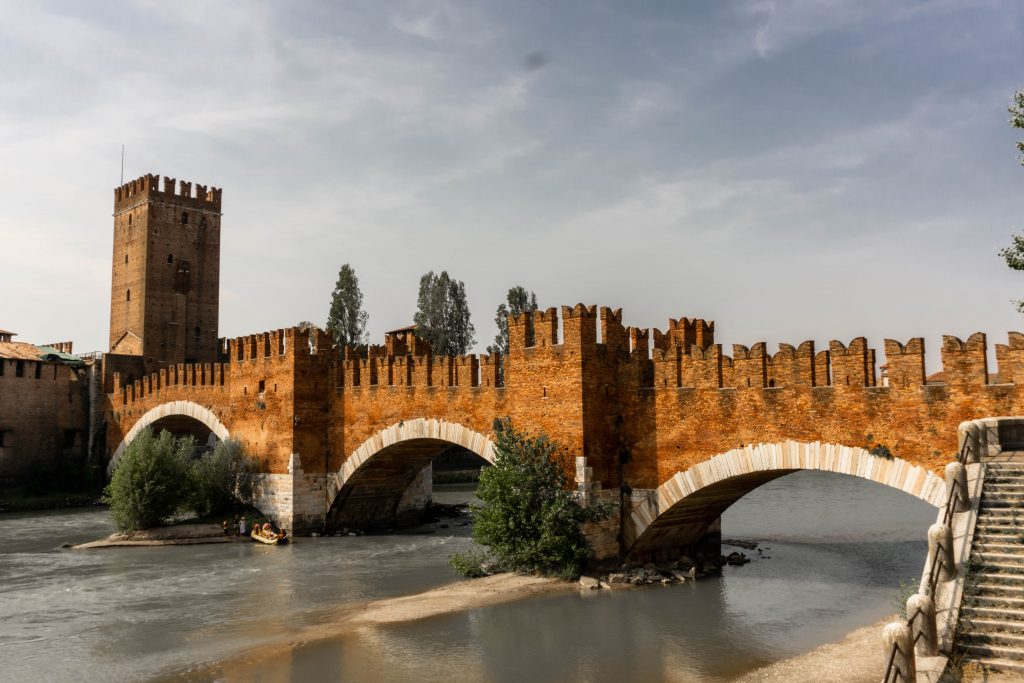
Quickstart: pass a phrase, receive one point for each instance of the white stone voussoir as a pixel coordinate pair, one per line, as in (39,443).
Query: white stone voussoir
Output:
(409,430)
(186,408)
(789,455)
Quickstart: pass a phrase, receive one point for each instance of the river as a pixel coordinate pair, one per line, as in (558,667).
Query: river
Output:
(834,549)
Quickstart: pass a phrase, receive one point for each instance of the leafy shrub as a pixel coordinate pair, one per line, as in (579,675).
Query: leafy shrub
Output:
(222,479)
(469,564)
(899,599)
(881,451)
(529,520)
(151,481)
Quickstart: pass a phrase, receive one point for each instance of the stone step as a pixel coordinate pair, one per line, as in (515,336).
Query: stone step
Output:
(1003,484)
(990,625)
(1009,546)
(1003,568)
(996,663)
(1000,504)
(1009,516)
(999,497)
(999,558)
(1013,654)
(998,602)
(996,588)
(992,613)
(997,577)
(998,527)
(1015,640)
(986,538)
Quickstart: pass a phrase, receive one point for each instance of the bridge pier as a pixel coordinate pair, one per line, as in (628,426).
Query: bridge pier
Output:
(295,500)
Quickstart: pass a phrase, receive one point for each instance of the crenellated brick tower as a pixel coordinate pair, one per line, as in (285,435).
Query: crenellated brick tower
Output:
(164,298)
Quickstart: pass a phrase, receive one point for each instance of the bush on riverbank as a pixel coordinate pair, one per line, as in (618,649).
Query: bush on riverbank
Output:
(528,519)
(158,476)
(151,481)
(222,479)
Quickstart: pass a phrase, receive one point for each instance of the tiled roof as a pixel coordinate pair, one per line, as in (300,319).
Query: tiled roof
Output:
(18,351)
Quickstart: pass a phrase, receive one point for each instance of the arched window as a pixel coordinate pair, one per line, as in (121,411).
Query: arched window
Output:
(184,217)
(170,258)
(129,296)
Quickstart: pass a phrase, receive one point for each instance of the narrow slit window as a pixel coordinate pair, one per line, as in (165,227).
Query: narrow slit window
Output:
(128,295)
(170,258)
(184,217)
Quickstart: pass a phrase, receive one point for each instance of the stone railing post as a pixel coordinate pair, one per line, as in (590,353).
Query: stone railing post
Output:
(921,609)
(940,537)
(956,477)
(898,634)
(970,434)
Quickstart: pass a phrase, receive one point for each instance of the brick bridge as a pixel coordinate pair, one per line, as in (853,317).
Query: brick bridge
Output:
(663,422)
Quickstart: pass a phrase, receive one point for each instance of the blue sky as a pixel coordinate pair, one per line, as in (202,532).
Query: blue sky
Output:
(792,170)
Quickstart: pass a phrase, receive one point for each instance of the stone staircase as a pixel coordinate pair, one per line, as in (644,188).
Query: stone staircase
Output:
(991,627)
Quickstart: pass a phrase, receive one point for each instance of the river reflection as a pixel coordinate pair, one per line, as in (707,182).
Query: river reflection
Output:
(838,548)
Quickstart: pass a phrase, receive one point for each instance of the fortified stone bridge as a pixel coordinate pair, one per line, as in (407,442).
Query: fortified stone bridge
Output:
(662,422)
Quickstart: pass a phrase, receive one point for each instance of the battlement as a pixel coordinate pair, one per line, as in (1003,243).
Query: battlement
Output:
(420,371)
(905,363)
(192,375)
(147,187)
(965,362)
(61,347)
(613,333)
(687,332)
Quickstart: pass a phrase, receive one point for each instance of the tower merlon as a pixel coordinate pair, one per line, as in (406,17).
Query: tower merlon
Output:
(147,186)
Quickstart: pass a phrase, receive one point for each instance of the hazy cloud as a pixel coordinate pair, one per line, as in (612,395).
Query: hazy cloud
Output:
(794,169)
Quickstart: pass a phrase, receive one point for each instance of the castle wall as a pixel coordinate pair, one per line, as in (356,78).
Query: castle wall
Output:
(44,419)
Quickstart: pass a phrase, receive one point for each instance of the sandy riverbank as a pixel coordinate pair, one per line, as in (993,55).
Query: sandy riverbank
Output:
(456,597)
(856,658)
(853,659)
(179,534)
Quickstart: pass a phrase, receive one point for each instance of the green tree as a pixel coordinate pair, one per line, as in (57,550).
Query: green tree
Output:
(223,479)
(151,482)
(442,315)
(517,301)
(1014,254)
(529,520)
(346,321)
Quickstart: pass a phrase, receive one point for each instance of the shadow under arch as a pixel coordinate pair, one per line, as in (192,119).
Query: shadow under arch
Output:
(374,481)
(178,417)
(679,512)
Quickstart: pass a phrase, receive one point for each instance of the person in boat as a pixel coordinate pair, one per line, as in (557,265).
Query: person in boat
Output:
(268,531)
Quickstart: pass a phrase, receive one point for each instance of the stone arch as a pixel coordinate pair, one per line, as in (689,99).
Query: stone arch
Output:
(415,439)
(173,408)
(684,505)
